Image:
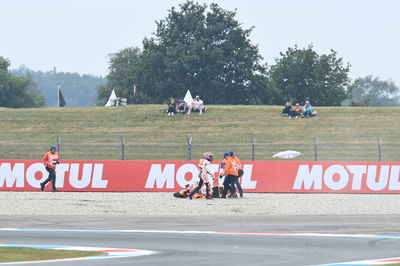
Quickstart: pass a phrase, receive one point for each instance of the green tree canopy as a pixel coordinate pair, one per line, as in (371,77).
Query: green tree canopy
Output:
(302,74)
(123,76)
(198,47)
(17,92)
(369,91)
(77,89)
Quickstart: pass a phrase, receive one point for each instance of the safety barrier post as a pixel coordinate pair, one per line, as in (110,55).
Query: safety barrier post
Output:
(253,150)
(379,150)
(189,148)
(315,149)
(58,145)
(122,146)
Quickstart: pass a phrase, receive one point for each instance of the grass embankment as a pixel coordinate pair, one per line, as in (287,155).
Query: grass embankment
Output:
(13,254)
(343,133)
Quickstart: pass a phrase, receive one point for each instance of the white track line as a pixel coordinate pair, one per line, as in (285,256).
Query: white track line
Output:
(200,232)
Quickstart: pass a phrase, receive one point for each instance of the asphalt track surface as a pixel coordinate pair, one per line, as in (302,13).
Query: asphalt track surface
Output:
(175,248)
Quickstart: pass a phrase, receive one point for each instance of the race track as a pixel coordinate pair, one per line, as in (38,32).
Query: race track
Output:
(205,247)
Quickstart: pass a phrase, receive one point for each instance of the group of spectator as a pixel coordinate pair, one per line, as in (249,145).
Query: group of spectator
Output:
(180,106)
(298,111)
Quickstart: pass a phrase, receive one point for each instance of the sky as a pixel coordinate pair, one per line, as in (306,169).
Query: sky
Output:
(79,35)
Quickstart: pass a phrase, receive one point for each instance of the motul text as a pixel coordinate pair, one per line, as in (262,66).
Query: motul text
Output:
(354,177)
(168,176)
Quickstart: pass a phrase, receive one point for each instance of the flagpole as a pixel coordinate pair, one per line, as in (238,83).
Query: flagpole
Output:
(134,93)
(58,94)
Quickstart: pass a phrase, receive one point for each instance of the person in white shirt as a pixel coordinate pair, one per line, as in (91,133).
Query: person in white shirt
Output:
(196,105)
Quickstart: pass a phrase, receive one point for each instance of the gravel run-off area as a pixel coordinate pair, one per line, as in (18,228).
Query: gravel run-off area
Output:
(164,204)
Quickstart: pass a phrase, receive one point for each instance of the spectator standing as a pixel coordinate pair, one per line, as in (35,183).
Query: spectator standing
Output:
(307,109)
(50,160)
(196,105)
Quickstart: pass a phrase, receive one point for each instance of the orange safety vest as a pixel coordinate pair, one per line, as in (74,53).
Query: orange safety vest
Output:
(50,159)
(230,167)
(238,162)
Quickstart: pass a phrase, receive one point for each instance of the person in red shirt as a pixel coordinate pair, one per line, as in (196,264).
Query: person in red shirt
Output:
(50,160)
(298,110)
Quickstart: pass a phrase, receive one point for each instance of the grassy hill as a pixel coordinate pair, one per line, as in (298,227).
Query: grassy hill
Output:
(342,133)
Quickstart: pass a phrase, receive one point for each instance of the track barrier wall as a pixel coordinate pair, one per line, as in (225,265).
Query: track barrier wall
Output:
(168,176)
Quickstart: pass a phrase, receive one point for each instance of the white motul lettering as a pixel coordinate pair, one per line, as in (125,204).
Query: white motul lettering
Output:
(394,183)
(308,177)
(31,174)
(12,177)
(160,178)
(61,169)
(97,180)
(372,183)
(337,170)
(74,175)
(357,171)
(247,183)
(183,170)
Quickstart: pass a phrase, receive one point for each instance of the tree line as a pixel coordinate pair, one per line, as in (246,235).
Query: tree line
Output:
(17,91)
(77,89)
(24,88)
(205,49)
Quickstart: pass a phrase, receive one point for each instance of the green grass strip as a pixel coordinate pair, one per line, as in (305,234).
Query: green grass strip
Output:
(342,133)
(12,254)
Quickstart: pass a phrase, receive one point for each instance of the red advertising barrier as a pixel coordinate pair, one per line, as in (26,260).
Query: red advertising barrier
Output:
(276,176)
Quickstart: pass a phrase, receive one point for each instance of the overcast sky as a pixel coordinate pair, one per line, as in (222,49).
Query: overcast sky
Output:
(78,35)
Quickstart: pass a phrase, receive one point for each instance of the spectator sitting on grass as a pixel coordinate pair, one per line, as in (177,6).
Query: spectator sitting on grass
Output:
(171,107)
(287,110)
(181,106)
(308,110)
(298,110)
(196,105)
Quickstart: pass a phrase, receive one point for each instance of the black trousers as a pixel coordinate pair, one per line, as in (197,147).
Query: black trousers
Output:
(199,187)
(52,177)
(229,184)
(239,187)
(237,183)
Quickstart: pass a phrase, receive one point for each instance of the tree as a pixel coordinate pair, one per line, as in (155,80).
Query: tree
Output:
(123,76)
(302,74)
(78,90)
(198,47)
(17,92)
(369,91)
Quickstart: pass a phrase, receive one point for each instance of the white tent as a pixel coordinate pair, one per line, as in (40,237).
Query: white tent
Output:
(287,154)
(188,98)
(112,99)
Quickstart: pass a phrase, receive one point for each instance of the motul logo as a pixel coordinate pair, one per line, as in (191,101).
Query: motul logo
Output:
(260,176)
(78,175)
(160,177)
(339,177)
